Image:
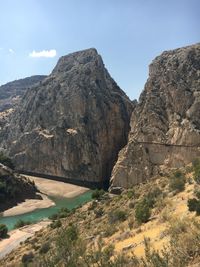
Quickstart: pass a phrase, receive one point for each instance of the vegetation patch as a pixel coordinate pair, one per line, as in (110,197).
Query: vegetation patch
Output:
(20,223)
(177,181)
(3,231)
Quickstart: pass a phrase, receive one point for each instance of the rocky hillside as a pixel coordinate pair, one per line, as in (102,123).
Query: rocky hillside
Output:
(14,188)
(150,225)
(73,123)
(11,93)
(165,125)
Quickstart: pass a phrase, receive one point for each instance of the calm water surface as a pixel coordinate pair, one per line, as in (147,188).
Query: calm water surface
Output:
(40,214)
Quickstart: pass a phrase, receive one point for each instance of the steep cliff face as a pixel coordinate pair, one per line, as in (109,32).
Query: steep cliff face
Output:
(167,113)
(73,124)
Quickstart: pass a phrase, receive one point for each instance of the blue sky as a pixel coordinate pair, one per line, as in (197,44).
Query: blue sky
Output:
(127,33)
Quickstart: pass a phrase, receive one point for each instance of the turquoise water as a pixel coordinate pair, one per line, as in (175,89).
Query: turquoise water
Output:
(40,214)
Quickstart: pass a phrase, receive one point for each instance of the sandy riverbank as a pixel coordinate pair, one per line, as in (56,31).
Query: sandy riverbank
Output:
(29,205)
(46,187)
(55,188)
(19,235)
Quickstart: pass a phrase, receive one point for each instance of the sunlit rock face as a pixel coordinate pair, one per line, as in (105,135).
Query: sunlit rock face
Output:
(168,112)
(73,123)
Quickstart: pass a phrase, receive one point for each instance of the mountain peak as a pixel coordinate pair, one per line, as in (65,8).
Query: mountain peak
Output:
(83,57)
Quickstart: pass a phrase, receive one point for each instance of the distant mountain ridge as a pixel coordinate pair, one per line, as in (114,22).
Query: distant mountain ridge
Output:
(11,93)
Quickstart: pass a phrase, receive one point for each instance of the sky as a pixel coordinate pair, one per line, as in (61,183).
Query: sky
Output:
(128,34)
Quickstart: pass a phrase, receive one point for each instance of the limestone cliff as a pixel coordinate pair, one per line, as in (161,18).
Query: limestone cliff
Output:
(73,123)
(167,113)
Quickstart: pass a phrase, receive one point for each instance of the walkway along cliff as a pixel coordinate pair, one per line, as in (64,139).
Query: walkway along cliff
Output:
(165,125)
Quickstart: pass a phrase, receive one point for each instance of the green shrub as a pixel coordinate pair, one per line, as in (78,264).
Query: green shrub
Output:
(20,223)
(72,233)
(196,168)
(27,258)
(197,175)
(62,213)
(192,204)
(196,163)
(3,231)
(6,161)
(117,215)
(44,248)
(56,224)
(177,181)
(142,211)
(98,194)
(130,193)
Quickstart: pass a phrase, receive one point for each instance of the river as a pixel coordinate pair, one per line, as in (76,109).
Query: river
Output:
(40,214)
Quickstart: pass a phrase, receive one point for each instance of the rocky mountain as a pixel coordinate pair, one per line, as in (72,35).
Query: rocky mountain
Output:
(73,123)
(165,125)
(11,93)
(14,188)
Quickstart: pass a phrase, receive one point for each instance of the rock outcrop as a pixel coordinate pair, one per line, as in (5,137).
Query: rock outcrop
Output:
(167,114)
(73,123)
(15,188)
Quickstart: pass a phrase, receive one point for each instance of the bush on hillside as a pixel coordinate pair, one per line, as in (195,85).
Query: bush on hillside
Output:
(117,216)
(131,193)
(197,175)
(177,181)
(6,161)
(3,231)
(152,196)
(142,211)
(20,223)
(62,213)
(56,224)
(44,248)
(194,205)
(196,169)
(27,258)
(98,194)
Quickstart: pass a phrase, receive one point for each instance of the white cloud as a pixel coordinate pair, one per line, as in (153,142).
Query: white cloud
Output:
(43,53)
(11,51)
